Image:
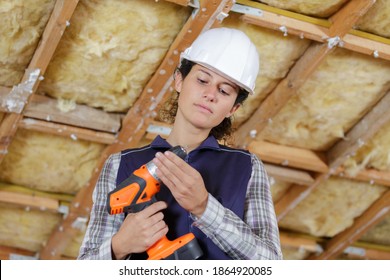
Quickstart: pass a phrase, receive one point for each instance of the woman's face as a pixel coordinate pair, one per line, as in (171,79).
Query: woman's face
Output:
(206,98)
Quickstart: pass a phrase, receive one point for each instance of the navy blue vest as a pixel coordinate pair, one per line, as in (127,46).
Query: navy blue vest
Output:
(225,172)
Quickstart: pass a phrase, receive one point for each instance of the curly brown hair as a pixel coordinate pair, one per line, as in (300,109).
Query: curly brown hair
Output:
(223,131)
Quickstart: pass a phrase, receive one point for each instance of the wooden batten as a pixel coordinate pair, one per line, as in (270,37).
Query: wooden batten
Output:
(288,156)
(10,253)
(31,201)
(368,175)
(45,108)
(289,175)
(72,132)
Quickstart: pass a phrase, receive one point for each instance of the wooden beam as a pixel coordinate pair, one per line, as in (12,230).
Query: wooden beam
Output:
(288,156)
(299,242)
(367,127)
(288,25)
(25,200)
(72,132)
(373,215)
(45,108)
(371,176)
(51,36)
(366,46)
(137,119)
(11,253)
(345,19)
(288,174)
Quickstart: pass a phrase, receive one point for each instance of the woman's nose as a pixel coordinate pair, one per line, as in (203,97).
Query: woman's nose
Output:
(210,93)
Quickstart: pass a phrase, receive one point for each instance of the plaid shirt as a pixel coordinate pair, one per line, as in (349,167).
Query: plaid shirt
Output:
(255,237)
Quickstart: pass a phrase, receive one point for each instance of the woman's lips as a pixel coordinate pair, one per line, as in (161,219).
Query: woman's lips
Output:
(204,108)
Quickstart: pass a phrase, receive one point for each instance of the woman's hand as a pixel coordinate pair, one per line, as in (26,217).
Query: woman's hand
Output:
(140,231)
(185,182)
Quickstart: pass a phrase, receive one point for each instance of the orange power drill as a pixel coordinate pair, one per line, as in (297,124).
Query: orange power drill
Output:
(136,193)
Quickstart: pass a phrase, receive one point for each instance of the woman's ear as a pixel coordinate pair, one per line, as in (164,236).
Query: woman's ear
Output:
(178,77)
(233,110)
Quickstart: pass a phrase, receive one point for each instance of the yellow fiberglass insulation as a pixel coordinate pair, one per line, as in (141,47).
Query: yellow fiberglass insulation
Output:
(319,8)
(110,51)
(277,54)
(373,154)
(22,24)
(377,19)
(294,254)
(332,207)
(49,163)
(26,228)
(278,188)
(378,234)
(344,87)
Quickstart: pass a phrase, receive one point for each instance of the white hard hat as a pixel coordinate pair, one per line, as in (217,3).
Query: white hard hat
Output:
(228,52)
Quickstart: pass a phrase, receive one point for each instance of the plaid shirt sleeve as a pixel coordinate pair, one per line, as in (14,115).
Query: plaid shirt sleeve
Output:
(257,236)
(102,226)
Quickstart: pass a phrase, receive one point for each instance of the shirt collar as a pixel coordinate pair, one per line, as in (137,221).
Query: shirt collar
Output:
(209,143)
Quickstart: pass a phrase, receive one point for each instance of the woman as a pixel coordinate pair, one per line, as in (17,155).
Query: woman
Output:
(220,194)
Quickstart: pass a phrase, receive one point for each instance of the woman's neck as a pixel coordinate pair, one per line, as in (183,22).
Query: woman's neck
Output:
(189,140)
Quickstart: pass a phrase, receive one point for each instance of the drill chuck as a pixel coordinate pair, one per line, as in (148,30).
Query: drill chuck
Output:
(177,150)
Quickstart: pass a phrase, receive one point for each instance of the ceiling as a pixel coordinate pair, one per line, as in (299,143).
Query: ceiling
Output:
(80,80)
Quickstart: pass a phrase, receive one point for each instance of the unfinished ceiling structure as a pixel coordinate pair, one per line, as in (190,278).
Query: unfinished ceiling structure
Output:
(80,80)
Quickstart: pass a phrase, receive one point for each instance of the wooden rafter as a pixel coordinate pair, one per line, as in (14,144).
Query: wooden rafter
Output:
(51,36)
(137,119)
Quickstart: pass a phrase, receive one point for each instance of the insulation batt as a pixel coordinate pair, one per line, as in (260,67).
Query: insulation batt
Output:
(26,229)
(319,8)
(373,154)
(277,54)
(377,19)
(21,25)
(278,189)
(343,88)
(332,207)
(49,163)
(110,51)
(379,234)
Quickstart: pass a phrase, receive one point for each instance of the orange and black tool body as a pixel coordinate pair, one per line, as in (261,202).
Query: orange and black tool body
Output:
(137,192)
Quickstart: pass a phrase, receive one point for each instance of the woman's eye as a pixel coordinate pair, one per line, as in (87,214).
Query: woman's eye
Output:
(202,81)
(221,90)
